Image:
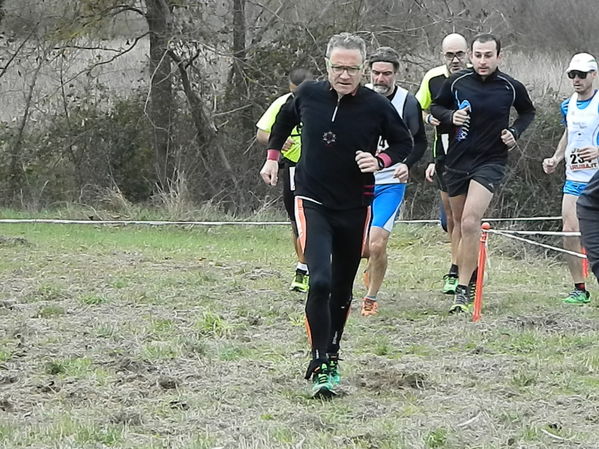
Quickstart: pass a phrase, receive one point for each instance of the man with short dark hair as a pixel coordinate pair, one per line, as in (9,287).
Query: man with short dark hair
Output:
(476,103)
(341,125)
(579,148)
(454,53)
(388,190)
(290,155)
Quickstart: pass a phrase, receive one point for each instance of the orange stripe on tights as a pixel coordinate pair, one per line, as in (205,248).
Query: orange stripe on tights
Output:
(300,220)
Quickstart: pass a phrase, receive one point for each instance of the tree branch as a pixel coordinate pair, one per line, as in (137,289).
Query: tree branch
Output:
(108,61)
(16,53)
(273,18)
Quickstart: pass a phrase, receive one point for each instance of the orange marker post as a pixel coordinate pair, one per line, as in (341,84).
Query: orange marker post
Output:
(480,274)
(585,264)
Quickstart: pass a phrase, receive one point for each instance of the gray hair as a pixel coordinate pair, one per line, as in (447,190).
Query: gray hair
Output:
(347,41)
(385,54)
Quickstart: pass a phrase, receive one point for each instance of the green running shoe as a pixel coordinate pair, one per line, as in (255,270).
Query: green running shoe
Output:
(322,388)
(334,376)
(578,297)
(461,303)
(471,291)
(300,283)
(449,284)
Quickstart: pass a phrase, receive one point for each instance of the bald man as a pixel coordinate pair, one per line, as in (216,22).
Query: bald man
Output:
(454,49)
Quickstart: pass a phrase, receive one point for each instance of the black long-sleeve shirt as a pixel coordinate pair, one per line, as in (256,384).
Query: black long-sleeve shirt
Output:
(490,102)
(590,197)
(587,210)
(412,116)
(333,130)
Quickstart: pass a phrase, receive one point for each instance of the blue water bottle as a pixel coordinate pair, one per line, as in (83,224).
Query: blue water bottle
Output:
(462,131)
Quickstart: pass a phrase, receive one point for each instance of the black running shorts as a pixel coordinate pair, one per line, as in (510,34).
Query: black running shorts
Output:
(440,176)
(458,181)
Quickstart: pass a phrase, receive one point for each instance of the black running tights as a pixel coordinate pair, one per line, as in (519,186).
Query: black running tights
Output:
(333,242)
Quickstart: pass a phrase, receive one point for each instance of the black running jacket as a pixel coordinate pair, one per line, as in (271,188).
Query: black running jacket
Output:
(332,131)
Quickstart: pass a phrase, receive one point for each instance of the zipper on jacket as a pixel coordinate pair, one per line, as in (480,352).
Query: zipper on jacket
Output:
(336,108)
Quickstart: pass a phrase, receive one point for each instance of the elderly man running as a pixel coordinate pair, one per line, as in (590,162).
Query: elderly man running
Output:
(341,126)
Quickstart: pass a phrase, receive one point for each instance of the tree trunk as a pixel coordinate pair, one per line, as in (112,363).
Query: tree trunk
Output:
(239,51)
(161,90)
(204,127)
(16,175)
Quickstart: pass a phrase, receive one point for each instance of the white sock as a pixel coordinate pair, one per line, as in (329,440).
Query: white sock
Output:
(302,266)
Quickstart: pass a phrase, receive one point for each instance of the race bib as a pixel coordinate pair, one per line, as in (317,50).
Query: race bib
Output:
(577,163)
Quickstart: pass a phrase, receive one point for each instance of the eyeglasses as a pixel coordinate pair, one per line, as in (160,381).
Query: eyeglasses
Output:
(578,73)
(451,55)
(339,69)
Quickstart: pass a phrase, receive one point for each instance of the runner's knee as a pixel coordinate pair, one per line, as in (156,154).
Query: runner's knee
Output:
(377,246)
(470,224)
(319,285)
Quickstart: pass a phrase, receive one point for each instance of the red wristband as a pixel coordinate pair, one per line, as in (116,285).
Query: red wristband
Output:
(385,158)
(273,155)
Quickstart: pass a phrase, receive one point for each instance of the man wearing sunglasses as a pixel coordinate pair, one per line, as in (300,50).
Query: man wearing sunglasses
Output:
(476,103)
(578,147)
(454,50)
(388,190)
(341,125)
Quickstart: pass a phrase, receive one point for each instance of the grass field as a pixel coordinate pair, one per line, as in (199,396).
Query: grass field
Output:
(188,338)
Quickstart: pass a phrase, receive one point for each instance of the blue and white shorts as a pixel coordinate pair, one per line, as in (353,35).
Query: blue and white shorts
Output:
(574,188)
(386,205)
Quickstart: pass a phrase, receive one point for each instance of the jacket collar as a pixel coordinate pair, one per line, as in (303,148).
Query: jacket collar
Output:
(353,93)
(490,77)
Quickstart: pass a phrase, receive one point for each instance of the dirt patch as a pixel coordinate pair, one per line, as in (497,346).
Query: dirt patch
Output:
(391,378)
(14,241)
(552,322)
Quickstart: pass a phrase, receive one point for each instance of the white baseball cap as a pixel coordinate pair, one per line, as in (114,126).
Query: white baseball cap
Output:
(582,62)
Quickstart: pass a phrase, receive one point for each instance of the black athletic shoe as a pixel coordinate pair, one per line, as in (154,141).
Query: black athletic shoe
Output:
(461,302)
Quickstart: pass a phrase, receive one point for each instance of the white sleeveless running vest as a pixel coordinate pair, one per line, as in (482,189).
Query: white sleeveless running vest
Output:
(385,176)
(583,127)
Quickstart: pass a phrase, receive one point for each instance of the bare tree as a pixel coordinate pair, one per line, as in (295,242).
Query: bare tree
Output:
(16,174)
(158,13)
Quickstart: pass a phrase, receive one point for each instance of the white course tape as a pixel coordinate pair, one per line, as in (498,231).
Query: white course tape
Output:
(220,223)
(560,233)
(523,219)
(418,221)
(138,222)
(490,219)
(555,248)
